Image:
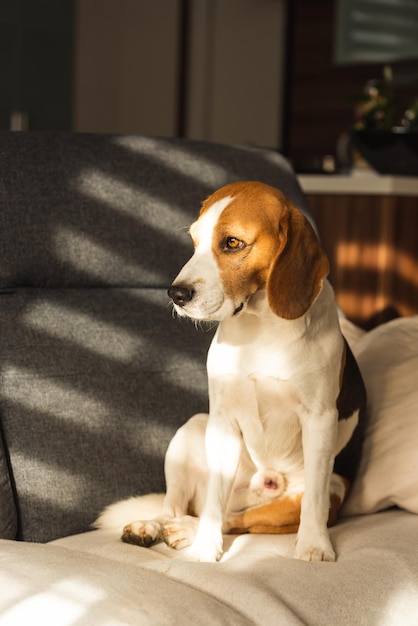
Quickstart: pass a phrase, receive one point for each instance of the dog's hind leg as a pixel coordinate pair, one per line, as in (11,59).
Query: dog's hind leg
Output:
(144,533)
(185,473)
(186,476)
(179,532)
(147,507)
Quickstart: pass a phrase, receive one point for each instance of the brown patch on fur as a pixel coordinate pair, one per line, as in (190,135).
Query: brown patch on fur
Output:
(253,216)
(297,273)
(277,517)
(281,252)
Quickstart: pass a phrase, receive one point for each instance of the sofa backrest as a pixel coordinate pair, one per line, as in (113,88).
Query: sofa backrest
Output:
(95,374)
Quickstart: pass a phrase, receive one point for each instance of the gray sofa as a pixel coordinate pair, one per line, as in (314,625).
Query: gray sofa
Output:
(96,376)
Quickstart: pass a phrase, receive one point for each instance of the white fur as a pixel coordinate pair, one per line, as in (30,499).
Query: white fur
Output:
(267,392)
(202,272)
(115,516)
(273,385)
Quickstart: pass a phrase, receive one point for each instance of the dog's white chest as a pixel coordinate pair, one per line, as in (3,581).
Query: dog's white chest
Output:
(253,388)
(254,348)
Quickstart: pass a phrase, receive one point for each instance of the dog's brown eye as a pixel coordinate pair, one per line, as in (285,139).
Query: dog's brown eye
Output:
(232,243)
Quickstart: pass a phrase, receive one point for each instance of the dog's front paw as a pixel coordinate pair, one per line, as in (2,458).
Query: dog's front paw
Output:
(205,554)
(206,549)
(143,534)
(179,532)
(314,550)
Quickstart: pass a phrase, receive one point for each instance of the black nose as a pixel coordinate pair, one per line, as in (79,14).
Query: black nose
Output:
(180,295)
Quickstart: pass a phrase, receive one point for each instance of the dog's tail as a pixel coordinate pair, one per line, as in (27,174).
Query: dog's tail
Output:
(119,514)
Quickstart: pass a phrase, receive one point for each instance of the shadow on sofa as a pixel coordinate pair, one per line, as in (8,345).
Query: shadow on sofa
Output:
(96,375)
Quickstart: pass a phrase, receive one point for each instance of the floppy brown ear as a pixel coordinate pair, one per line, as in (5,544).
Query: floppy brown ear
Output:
(296,275)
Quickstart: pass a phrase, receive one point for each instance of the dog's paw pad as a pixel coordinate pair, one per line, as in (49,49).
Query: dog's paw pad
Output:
(143,534)
(180,532)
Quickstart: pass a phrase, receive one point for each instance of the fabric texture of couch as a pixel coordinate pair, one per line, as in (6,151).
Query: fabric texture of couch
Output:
(96,376)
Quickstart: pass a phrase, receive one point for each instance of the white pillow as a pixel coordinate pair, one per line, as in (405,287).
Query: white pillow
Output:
(388,474)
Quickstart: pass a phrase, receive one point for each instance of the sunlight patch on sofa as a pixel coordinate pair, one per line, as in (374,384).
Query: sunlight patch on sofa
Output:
(84,330)
(118,195)
(176,158)
(50,395)
(402,606)
(63,489)
(194,382)
(67,600)
(88,256)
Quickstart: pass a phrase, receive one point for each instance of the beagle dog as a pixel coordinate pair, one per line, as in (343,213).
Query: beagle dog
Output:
(282,440)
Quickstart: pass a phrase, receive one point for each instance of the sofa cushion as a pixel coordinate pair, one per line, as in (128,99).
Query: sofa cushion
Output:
(388,473)
(97,210)
(62,587)
(373,581)
(95,375)
(8,513)
(93,385)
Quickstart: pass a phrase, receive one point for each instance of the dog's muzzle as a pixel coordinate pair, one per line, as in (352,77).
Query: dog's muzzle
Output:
(180,295)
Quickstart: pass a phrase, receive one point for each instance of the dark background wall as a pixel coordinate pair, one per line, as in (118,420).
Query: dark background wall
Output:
(318,97)
(79,65)
(36,61)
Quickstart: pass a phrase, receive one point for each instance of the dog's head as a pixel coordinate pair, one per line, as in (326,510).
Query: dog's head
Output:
(249,237)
